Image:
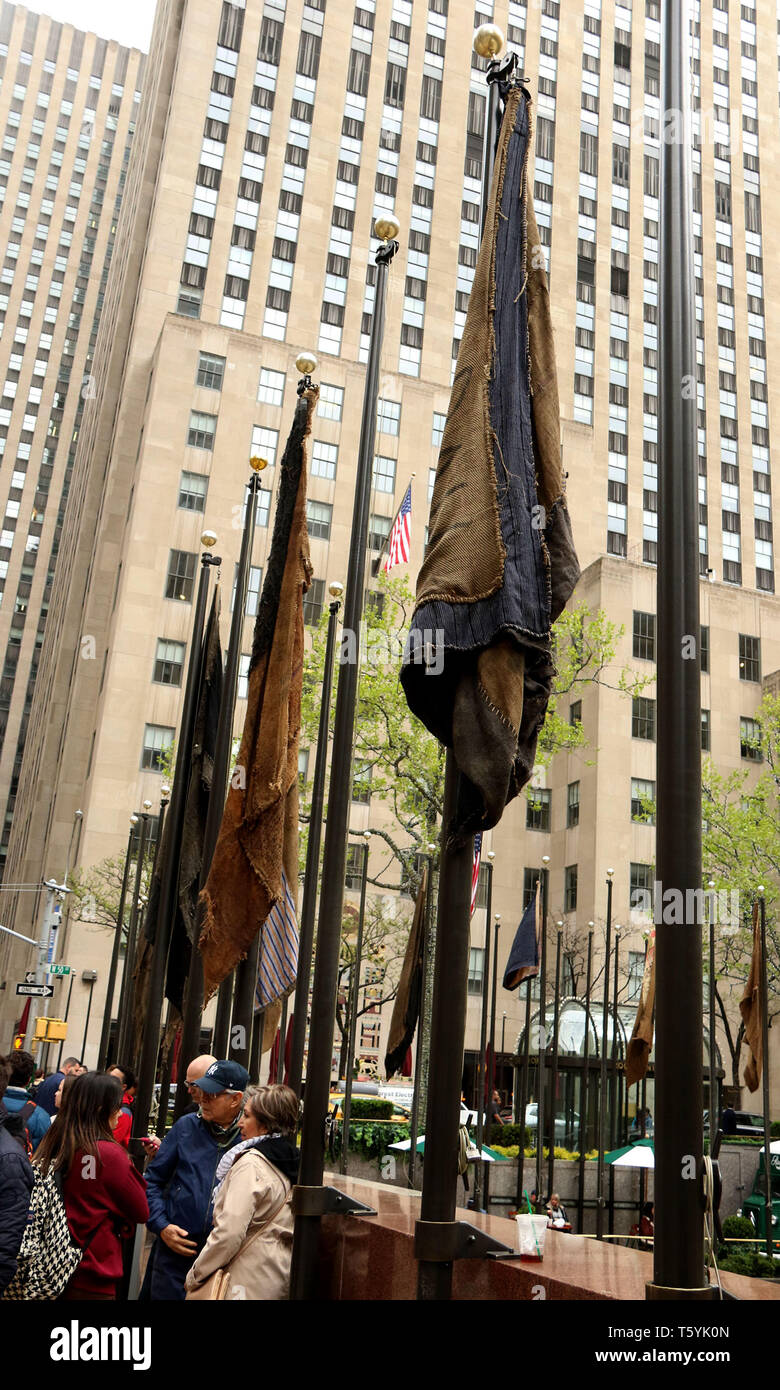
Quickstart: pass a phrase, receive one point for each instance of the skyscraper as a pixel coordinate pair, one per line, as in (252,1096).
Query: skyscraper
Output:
(267,137)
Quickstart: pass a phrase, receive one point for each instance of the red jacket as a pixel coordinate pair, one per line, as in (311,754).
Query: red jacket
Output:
(125,1126)
(102,1195)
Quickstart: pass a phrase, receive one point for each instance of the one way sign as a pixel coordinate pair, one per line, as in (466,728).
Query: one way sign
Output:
(39,991)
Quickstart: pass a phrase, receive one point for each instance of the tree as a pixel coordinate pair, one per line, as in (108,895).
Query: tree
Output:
(96,891)
(385,934)
(395,755)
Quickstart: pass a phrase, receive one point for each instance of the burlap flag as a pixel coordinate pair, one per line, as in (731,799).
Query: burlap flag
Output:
(406,1009)
(500,563)
(750,1007)
(523,963)
(641,1040)
(255,865)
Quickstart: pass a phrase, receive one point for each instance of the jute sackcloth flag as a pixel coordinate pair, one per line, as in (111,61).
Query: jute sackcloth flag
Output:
(641,1040)
(500,563)
(255,864)
(750,1007)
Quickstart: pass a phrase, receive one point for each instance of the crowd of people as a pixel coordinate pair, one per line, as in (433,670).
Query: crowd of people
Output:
(215,1194)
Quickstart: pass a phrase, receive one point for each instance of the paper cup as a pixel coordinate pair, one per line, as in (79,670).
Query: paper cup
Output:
(531,1231)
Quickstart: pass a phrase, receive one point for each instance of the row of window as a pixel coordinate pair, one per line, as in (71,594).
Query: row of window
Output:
(644,641)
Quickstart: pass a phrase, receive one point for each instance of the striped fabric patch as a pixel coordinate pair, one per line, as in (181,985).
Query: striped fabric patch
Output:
(277,964)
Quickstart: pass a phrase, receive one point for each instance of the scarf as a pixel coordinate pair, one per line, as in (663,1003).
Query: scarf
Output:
(227,1160)
(225,1136)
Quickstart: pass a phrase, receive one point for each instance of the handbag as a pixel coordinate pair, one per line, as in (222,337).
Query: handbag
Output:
(216,1288)
(49,1256)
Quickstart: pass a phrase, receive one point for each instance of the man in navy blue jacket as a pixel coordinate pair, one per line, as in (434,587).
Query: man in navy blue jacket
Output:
(16,1181)
(180,1179)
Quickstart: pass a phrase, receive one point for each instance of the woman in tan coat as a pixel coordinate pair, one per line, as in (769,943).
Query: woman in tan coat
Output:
(251,1238)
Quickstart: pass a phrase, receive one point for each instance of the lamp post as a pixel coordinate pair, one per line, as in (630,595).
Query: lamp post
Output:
(603,1066)
(107,1012)
(613,1081)
(491,1080)
(127,994)
(583,1137)
(763,992)
(714,1106)
(354,993)
(307,1227)
(311,874)
(423,1023)
(554,1074)
(541,1108)
(481,1098)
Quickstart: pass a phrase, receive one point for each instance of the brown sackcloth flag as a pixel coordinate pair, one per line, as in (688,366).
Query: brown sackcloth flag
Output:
(751,1006)
(406,1009)
(500,563)
(641,1041)
(254,872)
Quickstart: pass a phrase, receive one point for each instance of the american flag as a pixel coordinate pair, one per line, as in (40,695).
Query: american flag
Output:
(475,869)
(399,542)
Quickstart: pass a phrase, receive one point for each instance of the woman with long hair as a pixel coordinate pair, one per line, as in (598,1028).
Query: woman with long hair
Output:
(251,1238)
(105,1198)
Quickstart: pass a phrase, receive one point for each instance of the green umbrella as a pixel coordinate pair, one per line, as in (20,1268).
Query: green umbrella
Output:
(638,1155)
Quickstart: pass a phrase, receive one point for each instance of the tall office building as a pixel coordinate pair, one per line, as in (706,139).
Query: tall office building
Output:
(268,136)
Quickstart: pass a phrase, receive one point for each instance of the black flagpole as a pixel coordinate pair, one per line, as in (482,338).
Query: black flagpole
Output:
(603,1066)
(554,1071)
(169,886)
(583,1136)
(354,1000)
(764,997)
(491,1075)
(323,1009)
(312,871)
(678,1248)
(524,1095)
(480,1098)
(127,992)
(541,1108)
(109,1009)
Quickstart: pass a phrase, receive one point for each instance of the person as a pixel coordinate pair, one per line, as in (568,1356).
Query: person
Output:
(196,1069)
(729,1121)
(64,1087)
(537,1207)
(556,1212)
(26,1119)
(495,1109)
(253,1222)
(104,1196)
(646,1223)
(129,1083)
(179,1180)
(16,1183)
(48,1088)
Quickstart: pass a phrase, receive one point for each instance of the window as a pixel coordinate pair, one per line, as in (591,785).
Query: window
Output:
(202,430)
(642,718)
(271,388)
(750,740)
(482,886)
(264,444)
(395,85)
(156,739)
(538,811)
(705,730)
(270,41)
(242,689)
(575,713)
(378,531)
(318,519)
(252,590)
(313,602)
(388,416)
(530,877)
(323,459)
(749,658)
(192,491)
(573,805)
(358,71)
(384,473)
(211,370)
(361,783)
(640,884)
(189,303)
(476,969)
(642,791)
(308,62)
(430,98)
(704,648)
(570,888)
(303,768)
(356,858)
(169,662)
(437,432)
(636,971)
(181,575)
(331,401)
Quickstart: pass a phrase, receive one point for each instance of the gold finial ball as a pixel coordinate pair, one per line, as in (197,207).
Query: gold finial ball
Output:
(335,589)
(165,792)
(209,539)
(258,464)
(386,226)
(306,363)
(133,820)
(367,834)
(488,41)
(147,805)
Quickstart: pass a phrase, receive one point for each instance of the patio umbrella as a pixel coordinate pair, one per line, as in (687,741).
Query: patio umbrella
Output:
(638,1155)
(489,1155)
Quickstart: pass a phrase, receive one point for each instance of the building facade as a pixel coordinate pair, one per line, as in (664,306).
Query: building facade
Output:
(267,137)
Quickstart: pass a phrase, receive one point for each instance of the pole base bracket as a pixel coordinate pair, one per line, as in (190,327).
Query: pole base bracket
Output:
(443,1241)
(326,1201)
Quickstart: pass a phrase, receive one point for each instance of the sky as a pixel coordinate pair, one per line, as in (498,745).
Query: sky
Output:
(129,24)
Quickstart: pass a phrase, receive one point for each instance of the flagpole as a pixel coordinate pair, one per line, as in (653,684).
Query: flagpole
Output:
(127,992)
(524,1094)
(354,990)
(554,1072)
(479,1166)
(376,561)
(169,887)
(307,1227)
(714,1106)
(540,1109)
(613,1082)
(311,873)
(678,1248)
(279,1078)
(603,1067)
(763,987)
(583,1136)
(130,1050)
(421,1054)
(109,1008)
(491,1080)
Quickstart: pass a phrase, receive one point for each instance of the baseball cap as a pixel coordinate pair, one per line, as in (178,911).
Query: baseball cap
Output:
(224,1076)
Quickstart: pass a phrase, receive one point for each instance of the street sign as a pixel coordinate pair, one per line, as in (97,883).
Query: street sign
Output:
(56,970)
(39,991)
(29,978)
